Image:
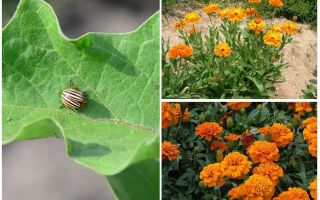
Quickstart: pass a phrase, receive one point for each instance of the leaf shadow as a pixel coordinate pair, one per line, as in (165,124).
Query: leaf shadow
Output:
(97,49)
(97,110)
(78,149)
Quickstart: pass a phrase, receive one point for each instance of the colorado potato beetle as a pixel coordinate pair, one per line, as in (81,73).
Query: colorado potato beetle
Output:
(73,98)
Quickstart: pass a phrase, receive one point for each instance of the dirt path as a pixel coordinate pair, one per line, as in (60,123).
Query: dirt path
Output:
(301,56)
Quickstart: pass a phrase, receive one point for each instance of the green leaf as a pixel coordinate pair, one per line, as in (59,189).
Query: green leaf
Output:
(119,72)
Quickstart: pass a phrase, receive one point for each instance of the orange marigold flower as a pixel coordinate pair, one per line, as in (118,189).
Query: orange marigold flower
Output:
(240,192)
(180,50)
(309,120)
(276,3)
(186,114)
(251,11)
(313,189)
(211,8)
(238,105)
(179,25)
(223,50)
(236,14)
(218,145)
(293,193)
(254,1)
(257,25)
(259,187)
(209,130)
(272,38)
(301,107)
(313,147)
(280,134)
(269,170)
(277,29)
(170,151)
(247,138)
(212,175)
(290,27)
(310,132)
(168,113)
(232,137)
(223,13)
(192,18)
(263,151)
(236,165)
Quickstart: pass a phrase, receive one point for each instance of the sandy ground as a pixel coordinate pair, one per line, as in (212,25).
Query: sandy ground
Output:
(301,56)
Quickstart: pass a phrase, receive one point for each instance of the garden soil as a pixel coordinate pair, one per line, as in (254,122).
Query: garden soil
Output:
(300,55)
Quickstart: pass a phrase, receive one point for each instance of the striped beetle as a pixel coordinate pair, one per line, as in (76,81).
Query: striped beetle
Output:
(73,98)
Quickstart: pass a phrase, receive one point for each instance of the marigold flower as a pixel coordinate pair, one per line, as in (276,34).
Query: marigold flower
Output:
(263,151)
(269,170)
(167,112)
(181,50)
(259,187)
(254,1)
(232,137)
(313,189)
(277,29)
(257,25)
(236,14)
(272,38)
(178,114)
(247,138)
(238,105)
(309,120)
(302,107)
(179,25)
(240,192)
(218,145)
(212,175)
(293,193)
(313,147)
(276,3)
(209,130)
(280,134)
(192,30)
(223,13)
(251,11)
(223,50)
(170,151)
(236,165)
(211,8)
(310,132)
(290,27)
(192,18)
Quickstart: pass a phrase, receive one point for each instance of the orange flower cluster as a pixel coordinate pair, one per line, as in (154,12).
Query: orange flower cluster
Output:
(223,50)
(263,151)
(236,165)
(257,25)
(170,151)
(269,170)
(209,130)
(313,189)
(212,175)
(180,51)
(211,8)
(276,3)
(301,107)
(310,134)
(293,193)
(172,113)
(238,105)
(273,37)
(280,134)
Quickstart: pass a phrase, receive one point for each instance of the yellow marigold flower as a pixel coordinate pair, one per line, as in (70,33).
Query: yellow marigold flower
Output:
(223,13)
(290,27)
(257,25)
(259,187)
(238,105)
(212,175)
(181,50)
(247,138)
(309,120)
(313,147)
(272,38)
(263,151)
(179,25)
(209,130)
(240,192)
(254,1)
(211,8)
(293,193)
(269,170)
(280,134)
(301,107)
(236,14)
(223,50)
(313,189)
(170,151)
(276,3)
(236,165)
(218,145)
(277,29)
(168,112)
(232,137)
(251,11)
(192,18)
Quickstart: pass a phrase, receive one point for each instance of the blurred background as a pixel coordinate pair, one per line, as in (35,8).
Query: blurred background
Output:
(40,169)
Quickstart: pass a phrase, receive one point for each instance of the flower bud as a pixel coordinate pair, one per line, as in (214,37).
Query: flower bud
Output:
(219,156)
(229,123)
